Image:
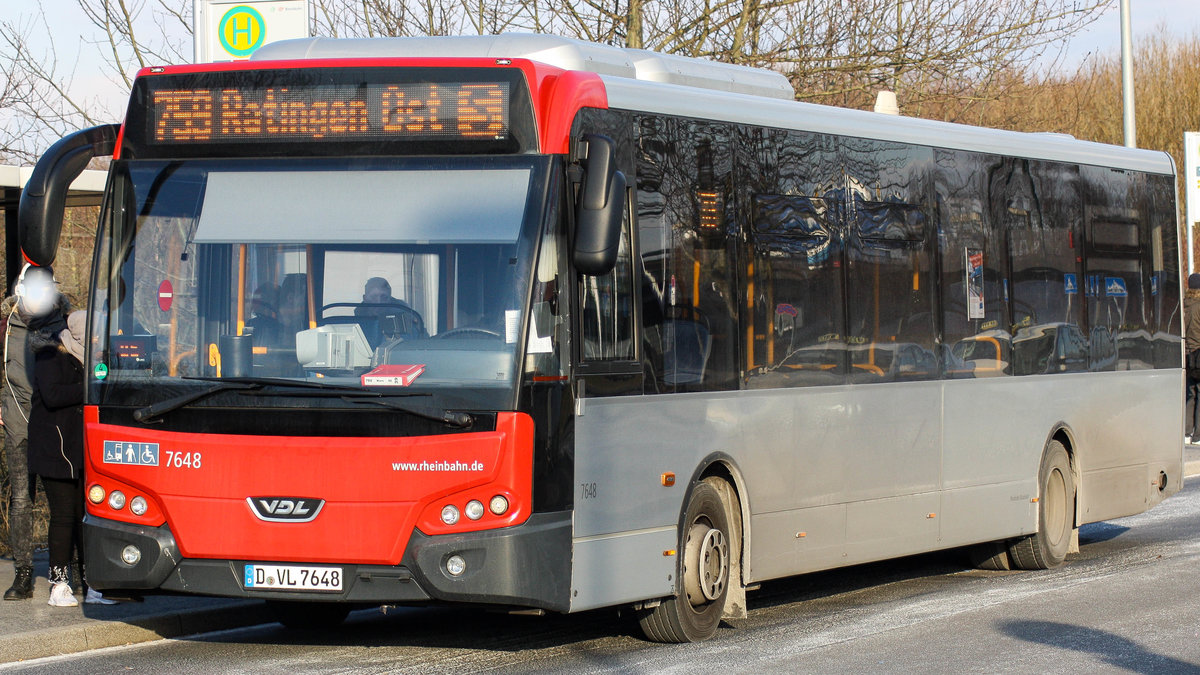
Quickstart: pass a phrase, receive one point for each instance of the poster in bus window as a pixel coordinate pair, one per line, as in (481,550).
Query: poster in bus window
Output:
(974,283)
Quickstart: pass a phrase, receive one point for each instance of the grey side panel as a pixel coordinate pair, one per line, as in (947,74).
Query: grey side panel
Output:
(623,568)
(1124,428)
(842,475)
(794,448)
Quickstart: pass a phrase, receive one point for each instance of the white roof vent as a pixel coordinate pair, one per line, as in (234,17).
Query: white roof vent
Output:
(885,103)
(706,74)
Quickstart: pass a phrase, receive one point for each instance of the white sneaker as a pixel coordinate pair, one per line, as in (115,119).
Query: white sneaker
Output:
(61,596)
(94,597)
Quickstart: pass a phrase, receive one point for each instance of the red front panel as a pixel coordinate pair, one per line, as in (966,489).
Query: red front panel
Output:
(375,489)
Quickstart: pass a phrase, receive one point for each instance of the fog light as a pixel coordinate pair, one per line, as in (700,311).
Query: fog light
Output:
(130,555)
(474,509)
(455,565)
(96,494)
(498,505)
(449,514)
(138,505)
(116,500)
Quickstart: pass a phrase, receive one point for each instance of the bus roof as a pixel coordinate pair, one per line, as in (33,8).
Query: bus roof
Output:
(552,50)
(641,80)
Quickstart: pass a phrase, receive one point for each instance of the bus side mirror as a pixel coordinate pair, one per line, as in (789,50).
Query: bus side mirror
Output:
(599,208)
(40,214)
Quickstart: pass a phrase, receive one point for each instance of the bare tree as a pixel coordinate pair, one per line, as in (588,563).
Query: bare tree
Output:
(41,98)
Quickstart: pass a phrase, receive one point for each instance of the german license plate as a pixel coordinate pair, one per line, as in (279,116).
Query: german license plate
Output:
(292,578)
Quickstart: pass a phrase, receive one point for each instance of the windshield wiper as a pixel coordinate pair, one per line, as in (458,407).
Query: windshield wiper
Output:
(280,382)
(460,420)
(149,413)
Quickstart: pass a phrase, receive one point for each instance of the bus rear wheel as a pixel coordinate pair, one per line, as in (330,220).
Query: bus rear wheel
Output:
(707,549)
(1056,515)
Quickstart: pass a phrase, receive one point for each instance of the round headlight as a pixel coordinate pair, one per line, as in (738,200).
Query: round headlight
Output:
(474,509)
(455,565)
(130,555)
(96,494)
(138,505)
(116,500)
(498,505)
(449,514)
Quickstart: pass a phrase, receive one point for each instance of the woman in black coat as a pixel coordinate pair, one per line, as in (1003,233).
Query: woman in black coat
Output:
(56,441)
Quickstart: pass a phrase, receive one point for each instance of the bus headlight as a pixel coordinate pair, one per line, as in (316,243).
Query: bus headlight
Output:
(96,494)
(116,500)
(498,505)
(449,514)
(455,565)
(138,505)
(474,509)
(130,555)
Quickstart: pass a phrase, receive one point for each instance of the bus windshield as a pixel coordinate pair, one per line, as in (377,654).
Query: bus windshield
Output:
(400,275)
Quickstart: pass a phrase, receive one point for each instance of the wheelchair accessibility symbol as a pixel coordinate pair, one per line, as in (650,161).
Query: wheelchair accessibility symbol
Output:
(242,30)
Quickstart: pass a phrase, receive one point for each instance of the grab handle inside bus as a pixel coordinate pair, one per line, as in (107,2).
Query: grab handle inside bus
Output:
(40,214)
(599,208)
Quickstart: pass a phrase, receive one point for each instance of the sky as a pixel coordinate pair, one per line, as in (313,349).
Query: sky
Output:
(1181,17)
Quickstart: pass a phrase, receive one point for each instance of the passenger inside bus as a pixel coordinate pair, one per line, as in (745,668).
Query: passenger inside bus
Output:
(385,316)
(263,323)
(377,294)
(293,306)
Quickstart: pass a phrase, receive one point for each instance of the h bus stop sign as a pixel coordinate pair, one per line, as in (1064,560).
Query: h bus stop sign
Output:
(231,30)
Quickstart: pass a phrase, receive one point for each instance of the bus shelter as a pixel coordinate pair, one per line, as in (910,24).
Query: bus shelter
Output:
(86,190)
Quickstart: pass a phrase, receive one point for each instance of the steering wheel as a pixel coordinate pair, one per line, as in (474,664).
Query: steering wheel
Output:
(415,322)
(469,331)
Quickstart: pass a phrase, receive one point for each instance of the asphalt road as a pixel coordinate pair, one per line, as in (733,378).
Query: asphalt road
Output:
(1129,602)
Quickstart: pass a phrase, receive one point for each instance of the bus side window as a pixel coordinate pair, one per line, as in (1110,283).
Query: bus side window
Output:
(606,306)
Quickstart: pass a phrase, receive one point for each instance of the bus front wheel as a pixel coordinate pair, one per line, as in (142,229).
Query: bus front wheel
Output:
(1056,515)
(706,545)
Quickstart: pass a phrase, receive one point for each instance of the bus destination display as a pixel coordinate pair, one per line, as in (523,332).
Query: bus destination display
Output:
(415,111)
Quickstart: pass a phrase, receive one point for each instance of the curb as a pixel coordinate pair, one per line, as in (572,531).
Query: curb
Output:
(98,634)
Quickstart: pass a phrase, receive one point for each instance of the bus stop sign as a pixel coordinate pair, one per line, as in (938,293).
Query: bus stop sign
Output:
(231,30)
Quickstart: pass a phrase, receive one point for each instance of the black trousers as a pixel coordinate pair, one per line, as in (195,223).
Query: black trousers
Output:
(66,524)
(20,502)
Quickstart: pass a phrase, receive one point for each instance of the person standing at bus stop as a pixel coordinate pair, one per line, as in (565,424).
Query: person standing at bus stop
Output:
(31,297)
(1191,313)
(56,443)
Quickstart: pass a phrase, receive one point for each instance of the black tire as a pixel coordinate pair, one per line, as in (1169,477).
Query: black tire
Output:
(309,615)
(991,555)
(1056,515)
(706,548)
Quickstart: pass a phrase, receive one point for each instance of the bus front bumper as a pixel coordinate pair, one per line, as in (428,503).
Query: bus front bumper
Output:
(527,565)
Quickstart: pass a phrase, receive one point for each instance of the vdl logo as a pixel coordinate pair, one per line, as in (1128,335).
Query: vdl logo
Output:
(242,30)
(285,509)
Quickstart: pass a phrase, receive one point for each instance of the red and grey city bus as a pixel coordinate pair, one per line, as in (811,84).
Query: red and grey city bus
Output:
(537,324)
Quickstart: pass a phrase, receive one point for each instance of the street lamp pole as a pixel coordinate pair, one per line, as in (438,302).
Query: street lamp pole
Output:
(1127,76)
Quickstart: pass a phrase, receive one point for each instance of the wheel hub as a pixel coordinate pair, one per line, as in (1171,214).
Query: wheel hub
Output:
(706,564)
